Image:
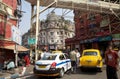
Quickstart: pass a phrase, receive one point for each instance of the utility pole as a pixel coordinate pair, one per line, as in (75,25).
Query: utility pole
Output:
(37,28)
(31,31)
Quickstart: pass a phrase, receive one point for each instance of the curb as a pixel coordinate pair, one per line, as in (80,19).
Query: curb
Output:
(14,76)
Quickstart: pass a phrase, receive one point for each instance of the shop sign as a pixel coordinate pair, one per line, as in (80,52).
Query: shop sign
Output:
(107,38)
(31,41)
(116,36)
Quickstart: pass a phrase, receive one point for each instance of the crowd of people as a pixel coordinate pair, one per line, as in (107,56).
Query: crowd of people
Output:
(23,62)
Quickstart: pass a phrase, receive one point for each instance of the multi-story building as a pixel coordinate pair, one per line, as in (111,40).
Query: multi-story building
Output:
(94,30)
(9,32)
(54,30)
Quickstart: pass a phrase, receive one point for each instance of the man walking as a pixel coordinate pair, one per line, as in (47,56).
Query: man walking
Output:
(77,56)
(111,59)
(73,60)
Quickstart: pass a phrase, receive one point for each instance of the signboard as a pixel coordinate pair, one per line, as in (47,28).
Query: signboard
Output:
(116,36)
(104,22)
(31,41)
(16,35)
(107,38)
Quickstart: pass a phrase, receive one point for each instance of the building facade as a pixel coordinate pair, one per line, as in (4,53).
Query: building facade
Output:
(54,30)
(94,30)
(9,15)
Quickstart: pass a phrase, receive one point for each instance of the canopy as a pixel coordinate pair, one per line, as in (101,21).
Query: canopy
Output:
(12,47)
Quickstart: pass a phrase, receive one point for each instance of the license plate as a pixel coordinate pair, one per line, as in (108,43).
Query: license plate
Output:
(42,66)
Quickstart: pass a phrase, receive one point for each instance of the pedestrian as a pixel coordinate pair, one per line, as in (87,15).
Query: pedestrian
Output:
(27,60)
(73,61)
(111,60)
(23,66)
(9,65)
(78,57)
(119,56)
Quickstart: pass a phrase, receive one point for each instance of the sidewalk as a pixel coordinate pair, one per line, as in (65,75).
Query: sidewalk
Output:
(16,73)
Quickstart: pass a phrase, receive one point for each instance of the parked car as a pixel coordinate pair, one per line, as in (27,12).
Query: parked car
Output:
(52,64)
(91,58)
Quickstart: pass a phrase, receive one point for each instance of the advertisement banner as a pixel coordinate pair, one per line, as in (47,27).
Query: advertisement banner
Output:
(16,35)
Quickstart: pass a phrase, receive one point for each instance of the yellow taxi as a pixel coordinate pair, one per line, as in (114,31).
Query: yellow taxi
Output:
(91,58)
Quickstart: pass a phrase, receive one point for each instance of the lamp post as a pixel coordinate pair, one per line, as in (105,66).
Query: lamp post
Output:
(37,24)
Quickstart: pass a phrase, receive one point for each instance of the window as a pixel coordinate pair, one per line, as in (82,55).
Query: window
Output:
(61,32)
(57,33)
(62,57)
(57,41)
(52,41)
(65,33)
(44,33)
(61,41)
(90,53)
(49,57)
(51,33)
(41,34)
(91,16)
(81,20)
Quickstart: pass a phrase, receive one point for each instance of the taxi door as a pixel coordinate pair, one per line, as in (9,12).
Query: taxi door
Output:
(64,62)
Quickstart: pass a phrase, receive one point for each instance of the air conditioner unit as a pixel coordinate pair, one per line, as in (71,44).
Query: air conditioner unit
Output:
(2,7)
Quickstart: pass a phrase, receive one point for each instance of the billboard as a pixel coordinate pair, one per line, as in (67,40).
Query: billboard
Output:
(16,35)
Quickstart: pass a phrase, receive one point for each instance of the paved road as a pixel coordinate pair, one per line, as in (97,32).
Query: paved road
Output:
(89,74)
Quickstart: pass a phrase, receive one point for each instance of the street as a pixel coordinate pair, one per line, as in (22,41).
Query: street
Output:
(88,74)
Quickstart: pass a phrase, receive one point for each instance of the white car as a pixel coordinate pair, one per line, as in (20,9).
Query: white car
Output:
(52,64)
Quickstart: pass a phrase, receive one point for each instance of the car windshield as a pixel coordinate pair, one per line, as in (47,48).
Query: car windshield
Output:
(90,53)
(49,57)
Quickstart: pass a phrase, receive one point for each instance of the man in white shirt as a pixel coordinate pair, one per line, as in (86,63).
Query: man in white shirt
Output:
(78,56)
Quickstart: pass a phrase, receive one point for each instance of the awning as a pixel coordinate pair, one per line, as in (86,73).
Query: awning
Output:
(12,47)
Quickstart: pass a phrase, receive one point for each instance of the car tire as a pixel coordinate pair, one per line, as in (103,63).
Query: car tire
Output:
(82,69)
(61,73)
(99,69)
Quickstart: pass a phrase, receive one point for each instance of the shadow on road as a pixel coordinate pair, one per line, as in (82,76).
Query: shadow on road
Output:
(85,71)
(78,71)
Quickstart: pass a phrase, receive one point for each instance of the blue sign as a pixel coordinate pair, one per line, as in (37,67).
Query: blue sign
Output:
(31,41)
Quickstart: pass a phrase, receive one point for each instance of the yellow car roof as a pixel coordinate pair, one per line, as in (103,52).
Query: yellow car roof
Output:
(90,50)
(57,51)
